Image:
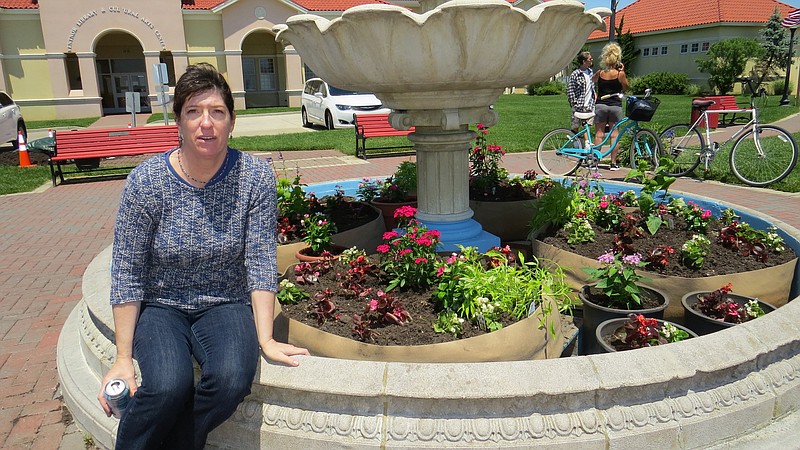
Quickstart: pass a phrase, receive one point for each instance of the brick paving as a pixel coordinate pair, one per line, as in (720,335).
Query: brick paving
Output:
(49,237)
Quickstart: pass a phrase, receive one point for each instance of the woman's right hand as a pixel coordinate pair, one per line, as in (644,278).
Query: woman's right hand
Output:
(122,368)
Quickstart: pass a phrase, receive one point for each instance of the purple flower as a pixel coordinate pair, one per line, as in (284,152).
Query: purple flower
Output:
(606,258)
(632,260)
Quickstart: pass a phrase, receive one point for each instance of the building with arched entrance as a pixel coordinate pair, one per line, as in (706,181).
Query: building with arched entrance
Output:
(78,58)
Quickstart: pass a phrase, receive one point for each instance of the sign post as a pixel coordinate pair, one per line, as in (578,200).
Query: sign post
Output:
(133,105)
(162,87)
(791,21)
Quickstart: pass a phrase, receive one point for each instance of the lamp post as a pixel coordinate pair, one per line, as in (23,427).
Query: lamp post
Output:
(612,20)
(791,21)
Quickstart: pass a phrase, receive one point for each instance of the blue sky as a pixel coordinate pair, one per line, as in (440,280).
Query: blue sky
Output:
(623,3)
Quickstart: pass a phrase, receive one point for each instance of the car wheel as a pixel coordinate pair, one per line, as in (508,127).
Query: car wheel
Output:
(20,129)
(328,120)
(304,115)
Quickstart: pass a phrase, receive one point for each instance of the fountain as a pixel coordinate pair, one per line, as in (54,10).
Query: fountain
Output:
(441,71)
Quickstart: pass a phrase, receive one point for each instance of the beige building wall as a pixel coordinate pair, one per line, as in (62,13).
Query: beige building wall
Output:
(35,44)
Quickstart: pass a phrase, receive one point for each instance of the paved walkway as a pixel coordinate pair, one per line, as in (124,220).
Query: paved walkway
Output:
(50,236)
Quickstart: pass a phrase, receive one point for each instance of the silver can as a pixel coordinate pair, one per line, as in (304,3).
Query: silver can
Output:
(117,395)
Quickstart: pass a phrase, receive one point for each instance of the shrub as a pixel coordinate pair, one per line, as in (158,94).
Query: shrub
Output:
(777,87)
(552,87)
(665,83)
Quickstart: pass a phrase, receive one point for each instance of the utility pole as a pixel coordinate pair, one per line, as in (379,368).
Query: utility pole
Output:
(791,21)
(612,21)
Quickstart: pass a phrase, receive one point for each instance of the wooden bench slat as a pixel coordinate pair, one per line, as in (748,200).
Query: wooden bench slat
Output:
(375,125)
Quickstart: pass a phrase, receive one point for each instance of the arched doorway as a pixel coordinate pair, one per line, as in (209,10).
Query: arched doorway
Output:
(262,65)
(121,68)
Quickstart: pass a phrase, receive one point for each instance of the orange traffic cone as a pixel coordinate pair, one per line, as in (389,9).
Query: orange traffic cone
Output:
(24,159)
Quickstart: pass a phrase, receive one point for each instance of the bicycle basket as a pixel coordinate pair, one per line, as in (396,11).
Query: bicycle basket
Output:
(641,109)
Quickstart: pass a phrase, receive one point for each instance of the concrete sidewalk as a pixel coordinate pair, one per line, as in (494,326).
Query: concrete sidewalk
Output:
(49,238)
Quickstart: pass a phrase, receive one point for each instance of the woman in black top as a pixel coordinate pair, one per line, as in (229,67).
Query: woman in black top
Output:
(611,82)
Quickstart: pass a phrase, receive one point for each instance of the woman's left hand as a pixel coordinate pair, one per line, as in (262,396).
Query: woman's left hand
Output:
(280,352)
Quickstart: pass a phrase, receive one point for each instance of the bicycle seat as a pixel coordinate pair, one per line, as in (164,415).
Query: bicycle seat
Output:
(583,115)
(702,103)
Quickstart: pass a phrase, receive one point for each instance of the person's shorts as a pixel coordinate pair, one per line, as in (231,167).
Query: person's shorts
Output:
(607,114)
(577,124)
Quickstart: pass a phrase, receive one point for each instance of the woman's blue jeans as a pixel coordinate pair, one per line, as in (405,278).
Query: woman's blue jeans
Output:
(169,411)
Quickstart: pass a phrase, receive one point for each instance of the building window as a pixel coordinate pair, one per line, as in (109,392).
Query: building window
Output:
(695,47)
(705,46)
(664,50)
(654,51)
(73,72)
(646,52)
(259,74)
(684,48)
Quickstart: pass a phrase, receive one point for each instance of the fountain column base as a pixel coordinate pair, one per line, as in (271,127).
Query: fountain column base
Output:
(467,233)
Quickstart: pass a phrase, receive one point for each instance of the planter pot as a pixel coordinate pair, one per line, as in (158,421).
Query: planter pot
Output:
(771,284)
(388,209)
(701,323)
(303,255)
(367,237)
(287,255)
(607,328)
(521,341)
(594,315)
(506,220)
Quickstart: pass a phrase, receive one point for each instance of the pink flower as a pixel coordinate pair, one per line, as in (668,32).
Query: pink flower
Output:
(632,260)
(420,260)
(405,211)
(404,251)
(590,194)
(606,258)
(424,242)
(603,205)
(373,305)
(435,234)
(451,259)
(706,214)
(440,271)
(383,248)
(389,235)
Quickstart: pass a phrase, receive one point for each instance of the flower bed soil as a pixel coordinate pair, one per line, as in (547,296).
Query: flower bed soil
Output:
(720,260)
(417,331)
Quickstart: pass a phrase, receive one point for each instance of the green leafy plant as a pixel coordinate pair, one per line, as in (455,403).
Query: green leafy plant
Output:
(697,218)
(652,182)
(727,60)
(617,278)
(579,231)
(409,257)
(369,189)
(484,160)
(290,294)
(318,232)
(694,251)
(399,186)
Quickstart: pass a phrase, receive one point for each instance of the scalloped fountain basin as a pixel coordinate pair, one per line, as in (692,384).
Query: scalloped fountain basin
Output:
(692,394)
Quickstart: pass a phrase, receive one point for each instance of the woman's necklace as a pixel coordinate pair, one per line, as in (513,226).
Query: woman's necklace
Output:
(180,164)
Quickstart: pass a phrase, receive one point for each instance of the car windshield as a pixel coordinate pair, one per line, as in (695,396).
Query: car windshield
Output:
(337,92)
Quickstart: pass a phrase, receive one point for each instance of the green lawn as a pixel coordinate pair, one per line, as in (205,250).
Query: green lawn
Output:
(524,120)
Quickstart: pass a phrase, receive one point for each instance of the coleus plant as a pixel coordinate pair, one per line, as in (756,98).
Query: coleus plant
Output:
(639,331)
(718,305)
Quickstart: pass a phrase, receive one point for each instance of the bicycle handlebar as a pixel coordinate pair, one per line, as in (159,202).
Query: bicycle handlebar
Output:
(647,93)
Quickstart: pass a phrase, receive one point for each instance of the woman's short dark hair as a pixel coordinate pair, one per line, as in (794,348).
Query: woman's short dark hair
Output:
(200,77)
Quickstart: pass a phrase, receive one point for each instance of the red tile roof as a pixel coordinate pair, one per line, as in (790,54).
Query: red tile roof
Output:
(653,15)
(200,4)
(19,4)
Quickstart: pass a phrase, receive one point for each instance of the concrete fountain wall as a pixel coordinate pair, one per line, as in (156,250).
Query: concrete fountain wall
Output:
(710,391)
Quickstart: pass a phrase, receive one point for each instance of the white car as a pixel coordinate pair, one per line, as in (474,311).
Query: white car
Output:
(11,121)
(332,107)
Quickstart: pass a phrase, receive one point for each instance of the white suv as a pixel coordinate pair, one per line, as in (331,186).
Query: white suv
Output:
(332,107)
(11,121)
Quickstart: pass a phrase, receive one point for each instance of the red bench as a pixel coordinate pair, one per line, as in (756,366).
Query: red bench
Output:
(87,147)
(724,102)
(376,125)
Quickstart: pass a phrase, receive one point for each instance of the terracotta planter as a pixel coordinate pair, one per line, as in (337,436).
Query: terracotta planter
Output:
(522,341)
(607,328)
(507,220)
(594,315)
(303,254)
(704,324)
(388,209)
(771,284)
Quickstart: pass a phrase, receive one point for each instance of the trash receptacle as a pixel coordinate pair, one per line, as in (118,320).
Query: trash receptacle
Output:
(713,119)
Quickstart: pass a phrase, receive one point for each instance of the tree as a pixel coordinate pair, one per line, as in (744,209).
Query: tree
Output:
(726,60)
(775,41)
(629,50)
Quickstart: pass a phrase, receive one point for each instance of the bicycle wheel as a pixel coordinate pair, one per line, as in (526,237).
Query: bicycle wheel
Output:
(550,157)
(683,145)
(645,145)
(776,160)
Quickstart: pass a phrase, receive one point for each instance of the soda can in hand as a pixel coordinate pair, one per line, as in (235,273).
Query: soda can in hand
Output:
(117,395)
